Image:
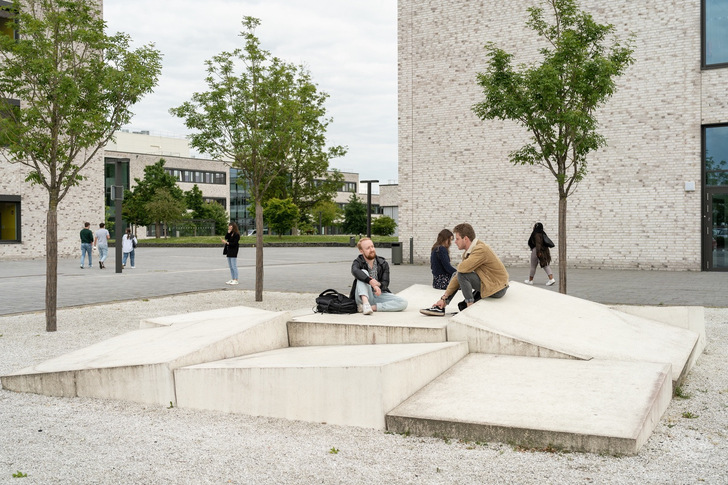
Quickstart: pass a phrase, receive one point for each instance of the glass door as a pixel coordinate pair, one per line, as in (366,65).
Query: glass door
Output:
(717,231)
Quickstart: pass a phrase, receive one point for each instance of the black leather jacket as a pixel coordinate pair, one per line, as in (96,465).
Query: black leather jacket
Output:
(360,264)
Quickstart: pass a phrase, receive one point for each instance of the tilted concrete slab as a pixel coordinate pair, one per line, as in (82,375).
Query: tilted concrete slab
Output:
(596,406)
(228,313)
(408,326)
(532,322)
(138,366)
(353,385)
(689,317)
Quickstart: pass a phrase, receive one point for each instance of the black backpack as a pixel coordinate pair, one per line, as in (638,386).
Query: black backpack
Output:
(331,301)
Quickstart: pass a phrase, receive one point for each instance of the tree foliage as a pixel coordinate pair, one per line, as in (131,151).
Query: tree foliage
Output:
(355,216)
(76,86)
(281,215)
(557,100)
(164,208)
(135,209)
(383,226)
(326,213)
(252,113)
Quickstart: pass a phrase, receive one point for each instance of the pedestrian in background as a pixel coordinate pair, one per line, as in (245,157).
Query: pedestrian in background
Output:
(101,241)
(442,270)
(232,244)
(540,243)
(128,245)
(87,242)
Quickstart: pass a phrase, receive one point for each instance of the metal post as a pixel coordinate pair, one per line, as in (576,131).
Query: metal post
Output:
(118,195)
(369,205)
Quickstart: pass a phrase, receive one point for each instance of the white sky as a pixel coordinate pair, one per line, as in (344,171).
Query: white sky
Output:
(349,46)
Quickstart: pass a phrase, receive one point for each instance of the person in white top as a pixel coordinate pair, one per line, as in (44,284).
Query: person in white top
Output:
(128,245)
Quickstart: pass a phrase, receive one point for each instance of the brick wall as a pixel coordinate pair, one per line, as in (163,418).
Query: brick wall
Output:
(631,210)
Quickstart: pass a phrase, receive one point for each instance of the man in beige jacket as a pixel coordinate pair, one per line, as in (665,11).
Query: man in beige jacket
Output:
(480,273)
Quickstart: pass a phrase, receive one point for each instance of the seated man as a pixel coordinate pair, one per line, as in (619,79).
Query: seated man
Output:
(479,273)
(371,283)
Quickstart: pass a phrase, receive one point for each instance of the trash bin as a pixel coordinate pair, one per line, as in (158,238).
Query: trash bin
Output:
(396,253)
(352,241)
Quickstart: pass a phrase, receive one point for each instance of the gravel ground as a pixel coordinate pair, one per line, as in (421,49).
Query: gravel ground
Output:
(80,441)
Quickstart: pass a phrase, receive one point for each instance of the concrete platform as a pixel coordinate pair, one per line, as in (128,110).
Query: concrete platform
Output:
(353,385)
(596,406)
(230,313)
(531,322)
(408,326)
(138,366)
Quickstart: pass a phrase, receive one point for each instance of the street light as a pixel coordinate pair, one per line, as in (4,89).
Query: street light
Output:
(369,204)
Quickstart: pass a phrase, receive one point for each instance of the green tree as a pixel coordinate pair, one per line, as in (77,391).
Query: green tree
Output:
(194,200)
(76,85)
(383,226)
(250,118)
(281,215)
(216,212)
(557,100)
(326,213)
(135,200)
(164,209)
(355,216)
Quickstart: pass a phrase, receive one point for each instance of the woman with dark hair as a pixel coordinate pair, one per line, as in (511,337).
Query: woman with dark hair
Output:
(442,270)
(540,243)
(232,244)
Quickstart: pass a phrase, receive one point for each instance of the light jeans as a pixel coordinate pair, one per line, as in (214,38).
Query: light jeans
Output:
(233,264)
(386,302)
(124,256)
(86,249)
(103,252)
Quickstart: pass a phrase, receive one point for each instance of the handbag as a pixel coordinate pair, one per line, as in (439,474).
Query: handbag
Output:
(547,241)
(224,249)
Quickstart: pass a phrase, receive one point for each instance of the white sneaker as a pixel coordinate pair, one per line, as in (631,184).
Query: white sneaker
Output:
(529,282)
(229,282)
(550,282)
(132,266)
(366,309)
(234,282)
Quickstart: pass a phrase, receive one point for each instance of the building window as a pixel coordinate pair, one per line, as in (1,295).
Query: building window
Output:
(348,187)
(715,33)
(10,219)
(197,176)
(219,200)
(716,156)
(6,20)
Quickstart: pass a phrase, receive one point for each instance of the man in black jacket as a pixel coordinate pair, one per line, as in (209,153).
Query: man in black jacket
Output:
(371,282)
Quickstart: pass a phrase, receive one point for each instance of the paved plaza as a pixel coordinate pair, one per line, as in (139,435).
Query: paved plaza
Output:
(168,271)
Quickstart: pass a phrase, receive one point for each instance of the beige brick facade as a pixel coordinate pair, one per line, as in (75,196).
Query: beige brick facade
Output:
(631,210)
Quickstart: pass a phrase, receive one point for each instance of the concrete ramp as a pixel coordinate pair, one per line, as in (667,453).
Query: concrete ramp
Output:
(532,322)
(594,406)
(352,385)
(138,366)
(234,313)
(408,326)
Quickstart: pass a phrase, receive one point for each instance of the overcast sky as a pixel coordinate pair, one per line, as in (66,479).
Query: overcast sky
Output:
(349,46)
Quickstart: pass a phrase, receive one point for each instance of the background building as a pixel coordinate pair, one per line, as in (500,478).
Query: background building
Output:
(654,198)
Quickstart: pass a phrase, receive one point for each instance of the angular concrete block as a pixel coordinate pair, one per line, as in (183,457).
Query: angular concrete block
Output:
(531,322)
(352,385)
(138,366)
(594,406)
(228,313)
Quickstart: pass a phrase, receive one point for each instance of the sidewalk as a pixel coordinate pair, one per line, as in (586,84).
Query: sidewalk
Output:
(168,271)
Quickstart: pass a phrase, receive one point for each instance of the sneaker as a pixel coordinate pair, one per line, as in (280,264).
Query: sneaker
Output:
(359,309)
(81,266)
(434,311)
(132,266)
(101,265)
(366,309)
(529,282)
(550,282)
(234,282)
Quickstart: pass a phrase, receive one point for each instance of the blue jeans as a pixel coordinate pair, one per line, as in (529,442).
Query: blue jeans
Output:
(86,249)
(103,252)
(124,256)
(233,264)
(386,302)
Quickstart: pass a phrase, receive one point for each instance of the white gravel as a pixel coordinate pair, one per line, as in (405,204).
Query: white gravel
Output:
(81,441)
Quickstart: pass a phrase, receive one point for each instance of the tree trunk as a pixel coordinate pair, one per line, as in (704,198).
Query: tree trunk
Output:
(51,294)
(562,244)
(258,250)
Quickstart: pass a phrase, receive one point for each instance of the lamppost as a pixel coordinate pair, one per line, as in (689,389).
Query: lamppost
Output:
(320,228)
(369,204)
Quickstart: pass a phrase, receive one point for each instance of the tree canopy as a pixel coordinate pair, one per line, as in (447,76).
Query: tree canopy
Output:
(136,200)
(75,86)
(557,100)
(355,216)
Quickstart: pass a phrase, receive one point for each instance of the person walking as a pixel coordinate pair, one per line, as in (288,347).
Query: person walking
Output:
(232,244)
(540,243)
(101,241)
(87,242)
(128,246)
(442,270)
